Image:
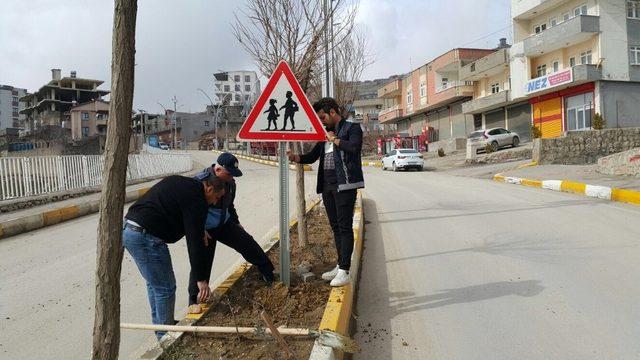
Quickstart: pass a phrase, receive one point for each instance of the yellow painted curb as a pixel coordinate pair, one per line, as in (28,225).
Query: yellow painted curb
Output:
(573,187)
(533,183)
(533,163)
(627,196)
(142,191)
(59,215)
(372,163)
(498,177)
(337,313)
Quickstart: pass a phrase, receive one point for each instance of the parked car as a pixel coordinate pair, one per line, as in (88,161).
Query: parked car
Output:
(403,159)
(496,137)
(163,146)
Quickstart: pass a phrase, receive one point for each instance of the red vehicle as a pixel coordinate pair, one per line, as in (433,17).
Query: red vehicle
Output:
(264,148)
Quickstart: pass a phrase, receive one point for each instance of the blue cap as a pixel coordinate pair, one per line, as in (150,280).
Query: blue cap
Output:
(230,163)
(203,175)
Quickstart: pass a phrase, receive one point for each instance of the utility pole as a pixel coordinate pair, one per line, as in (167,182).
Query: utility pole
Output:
(175,124)
(327,79)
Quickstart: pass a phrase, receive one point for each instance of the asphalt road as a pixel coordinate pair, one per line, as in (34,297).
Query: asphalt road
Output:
(47,276)
(465,268)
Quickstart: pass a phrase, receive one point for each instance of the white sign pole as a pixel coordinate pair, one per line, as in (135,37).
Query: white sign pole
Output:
(285,249)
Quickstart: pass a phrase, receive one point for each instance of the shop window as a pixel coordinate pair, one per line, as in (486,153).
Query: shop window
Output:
(579,111)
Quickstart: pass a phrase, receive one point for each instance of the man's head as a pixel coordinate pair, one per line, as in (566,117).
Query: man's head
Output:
(328,111)
(226,167)
(214,188)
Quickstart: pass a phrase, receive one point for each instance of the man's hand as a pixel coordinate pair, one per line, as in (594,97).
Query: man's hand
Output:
(292,157)
(206,238)
(205,292)
(332,138)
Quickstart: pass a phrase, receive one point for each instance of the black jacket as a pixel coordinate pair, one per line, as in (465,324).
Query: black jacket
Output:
(347,156)
(173,208)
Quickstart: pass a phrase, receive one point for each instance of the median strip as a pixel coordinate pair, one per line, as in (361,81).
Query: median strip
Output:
(262,161)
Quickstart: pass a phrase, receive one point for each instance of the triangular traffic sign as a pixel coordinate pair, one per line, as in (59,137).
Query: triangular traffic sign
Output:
(283,112)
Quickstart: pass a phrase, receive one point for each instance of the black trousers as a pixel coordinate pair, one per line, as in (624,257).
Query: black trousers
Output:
(339,206)
(235,237)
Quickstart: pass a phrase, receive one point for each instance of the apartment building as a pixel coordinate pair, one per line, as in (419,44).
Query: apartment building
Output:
(50,104)
(427,102)
(492,104)
(89,119)
(10,107)
(572,59)
(237,87)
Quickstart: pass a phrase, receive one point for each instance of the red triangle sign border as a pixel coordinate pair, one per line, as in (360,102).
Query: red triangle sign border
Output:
(245,133)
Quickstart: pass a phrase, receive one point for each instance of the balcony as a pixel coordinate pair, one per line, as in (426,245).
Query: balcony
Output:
(390,89)
(579,74)
(453,84)
(490,65)
(486,103)
(568,33)
(391,113)
(528,9)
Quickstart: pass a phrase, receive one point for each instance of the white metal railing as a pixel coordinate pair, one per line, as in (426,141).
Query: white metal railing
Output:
(450,84)
(36,175)
(388,110)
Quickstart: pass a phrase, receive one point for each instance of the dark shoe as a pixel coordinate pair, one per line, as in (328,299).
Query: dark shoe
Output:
(268,278)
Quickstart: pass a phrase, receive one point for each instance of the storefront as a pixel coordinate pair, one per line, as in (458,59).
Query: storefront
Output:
(569,109)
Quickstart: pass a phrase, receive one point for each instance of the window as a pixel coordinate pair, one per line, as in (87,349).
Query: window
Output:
(553,22)
(579,109)
(237,87)
(423,89)
(572,61)
(556,66)
(206,123)
(585,57)
(633,9)
(236,78)
(15,99)
(85,116)
(409,97)
(237,97)
(495,88)
(473,67)
(445,81)
(565,16)
(634,55)
(540,28)
(85,131)
(246,98)
(247,88)
(14,113)
(541,70)
(580,10)
(227,88)
(247,78)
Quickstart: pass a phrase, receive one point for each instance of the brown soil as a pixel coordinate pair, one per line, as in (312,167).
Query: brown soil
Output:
(301,306)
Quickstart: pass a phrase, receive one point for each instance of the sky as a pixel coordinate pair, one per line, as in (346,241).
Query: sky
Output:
(180,44)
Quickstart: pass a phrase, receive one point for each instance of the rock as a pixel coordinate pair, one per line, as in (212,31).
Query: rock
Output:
(303,268)
(308,277)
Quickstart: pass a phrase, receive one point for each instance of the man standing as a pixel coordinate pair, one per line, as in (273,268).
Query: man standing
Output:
(339,177)
(223,225)
(173,208)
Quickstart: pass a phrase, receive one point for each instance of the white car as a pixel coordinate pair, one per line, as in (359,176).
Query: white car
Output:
(496,137)
(163,146)
(403,159)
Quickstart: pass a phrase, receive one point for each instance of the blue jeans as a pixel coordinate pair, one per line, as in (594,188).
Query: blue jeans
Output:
(154,262)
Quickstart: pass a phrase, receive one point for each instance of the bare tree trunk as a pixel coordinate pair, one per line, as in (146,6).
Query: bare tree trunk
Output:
(301,202)
(106,326)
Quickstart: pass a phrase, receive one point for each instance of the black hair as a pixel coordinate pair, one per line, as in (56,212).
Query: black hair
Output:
(326,104)
(216,182)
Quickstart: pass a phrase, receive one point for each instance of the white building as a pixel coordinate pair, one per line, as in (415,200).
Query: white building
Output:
(237,87)
(10,107)
(574,58)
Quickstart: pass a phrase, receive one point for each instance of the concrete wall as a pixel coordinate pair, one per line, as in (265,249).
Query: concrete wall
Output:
(585,147)
(613,40)
(620,103)
(626,163)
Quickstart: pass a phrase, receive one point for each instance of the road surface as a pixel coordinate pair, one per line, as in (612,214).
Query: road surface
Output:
(47,276)
(464,268)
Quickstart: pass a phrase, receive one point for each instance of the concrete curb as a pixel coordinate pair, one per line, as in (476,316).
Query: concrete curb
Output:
(191,319)
(595,191)
(337,313)
(261,161)
(372,163)
(47,218)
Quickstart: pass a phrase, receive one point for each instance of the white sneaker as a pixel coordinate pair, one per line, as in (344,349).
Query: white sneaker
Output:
(329,275)
(342,278)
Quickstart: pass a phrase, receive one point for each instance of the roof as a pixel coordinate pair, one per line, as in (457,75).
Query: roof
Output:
(93,105)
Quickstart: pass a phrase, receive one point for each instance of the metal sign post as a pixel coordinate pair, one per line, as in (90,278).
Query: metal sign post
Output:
(285,248)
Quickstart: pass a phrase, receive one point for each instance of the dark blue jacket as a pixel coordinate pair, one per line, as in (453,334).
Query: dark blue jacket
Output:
(224,209)
(347,157)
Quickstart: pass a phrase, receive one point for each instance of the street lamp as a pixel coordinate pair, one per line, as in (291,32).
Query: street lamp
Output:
(215,118)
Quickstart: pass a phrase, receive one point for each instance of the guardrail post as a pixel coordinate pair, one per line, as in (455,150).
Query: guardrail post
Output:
(85,171)
(26,176)
(60,173)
